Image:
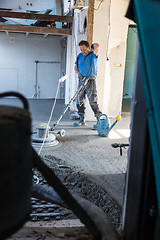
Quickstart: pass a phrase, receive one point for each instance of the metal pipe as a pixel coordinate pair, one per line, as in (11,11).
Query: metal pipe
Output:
(36,84)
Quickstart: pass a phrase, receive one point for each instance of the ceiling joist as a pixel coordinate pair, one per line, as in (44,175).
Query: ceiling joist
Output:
(90,21)
(33,29)
(36,29)
(35,16)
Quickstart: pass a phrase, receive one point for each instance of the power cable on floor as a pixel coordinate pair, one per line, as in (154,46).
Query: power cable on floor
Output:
(53,107)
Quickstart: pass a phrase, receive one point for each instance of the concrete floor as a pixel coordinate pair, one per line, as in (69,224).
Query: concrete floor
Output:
(82,148)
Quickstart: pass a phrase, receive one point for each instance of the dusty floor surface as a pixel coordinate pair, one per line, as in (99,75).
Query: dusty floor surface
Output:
(94,156)
(82,147)
(77,184)
(46,232)
(44,227)
(82,150)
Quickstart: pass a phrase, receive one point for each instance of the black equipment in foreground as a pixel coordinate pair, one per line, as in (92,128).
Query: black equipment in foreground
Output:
(17,159)
(120,145)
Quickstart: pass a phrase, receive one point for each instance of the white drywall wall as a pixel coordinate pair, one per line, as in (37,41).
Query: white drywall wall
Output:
(18,67)
(72,51)
(110,30)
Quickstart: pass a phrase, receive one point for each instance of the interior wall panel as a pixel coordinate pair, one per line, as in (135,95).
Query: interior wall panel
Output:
(18,66)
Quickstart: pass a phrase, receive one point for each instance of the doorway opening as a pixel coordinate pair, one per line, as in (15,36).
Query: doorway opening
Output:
(129,68)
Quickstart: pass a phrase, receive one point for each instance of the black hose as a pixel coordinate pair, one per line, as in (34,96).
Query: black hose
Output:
(18,95)
(66,196)
(47,194)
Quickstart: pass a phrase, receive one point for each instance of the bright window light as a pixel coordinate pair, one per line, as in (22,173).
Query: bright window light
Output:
(113,135)
(119,133)
(124,132)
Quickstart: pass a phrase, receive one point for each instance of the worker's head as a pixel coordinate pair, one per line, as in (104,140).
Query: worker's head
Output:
(84,47)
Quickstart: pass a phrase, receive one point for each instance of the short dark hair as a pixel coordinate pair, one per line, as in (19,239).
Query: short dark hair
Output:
(83,42)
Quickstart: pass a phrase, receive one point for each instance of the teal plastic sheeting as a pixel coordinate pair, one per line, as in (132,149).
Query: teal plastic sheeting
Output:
(147,15)
(30,21)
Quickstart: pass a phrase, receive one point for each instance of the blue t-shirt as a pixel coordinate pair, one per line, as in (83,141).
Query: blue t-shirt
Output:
(87,65)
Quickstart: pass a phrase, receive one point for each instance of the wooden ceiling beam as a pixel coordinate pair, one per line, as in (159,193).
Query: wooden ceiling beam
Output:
(33,29)
(90,21)
(35,16)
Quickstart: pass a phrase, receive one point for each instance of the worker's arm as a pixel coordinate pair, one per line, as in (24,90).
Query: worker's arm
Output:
(95,47)
(76,69)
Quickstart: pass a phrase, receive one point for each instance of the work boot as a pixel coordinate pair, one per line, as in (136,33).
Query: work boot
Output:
(81,122)
(95,125)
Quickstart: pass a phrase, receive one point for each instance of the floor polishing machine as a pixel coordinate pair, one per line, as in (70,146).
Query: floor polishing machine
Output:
(70,103)
(45,133)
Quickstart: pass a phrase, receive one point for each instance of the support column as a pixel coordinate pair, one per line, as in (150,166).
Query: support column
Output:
(90,21)
(110,31)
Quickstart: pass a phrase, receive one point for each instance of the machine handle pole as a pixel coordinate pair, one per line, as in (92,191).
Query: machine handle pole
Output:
(71,101)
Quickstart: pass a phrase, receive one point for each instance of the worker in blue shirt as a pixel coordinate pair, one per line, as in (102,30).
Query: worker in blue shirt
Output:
(86,66)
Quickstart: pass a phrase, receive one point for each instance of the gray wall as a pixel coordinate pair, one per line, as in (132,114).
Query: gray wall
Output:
(37,5)
(18,67)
